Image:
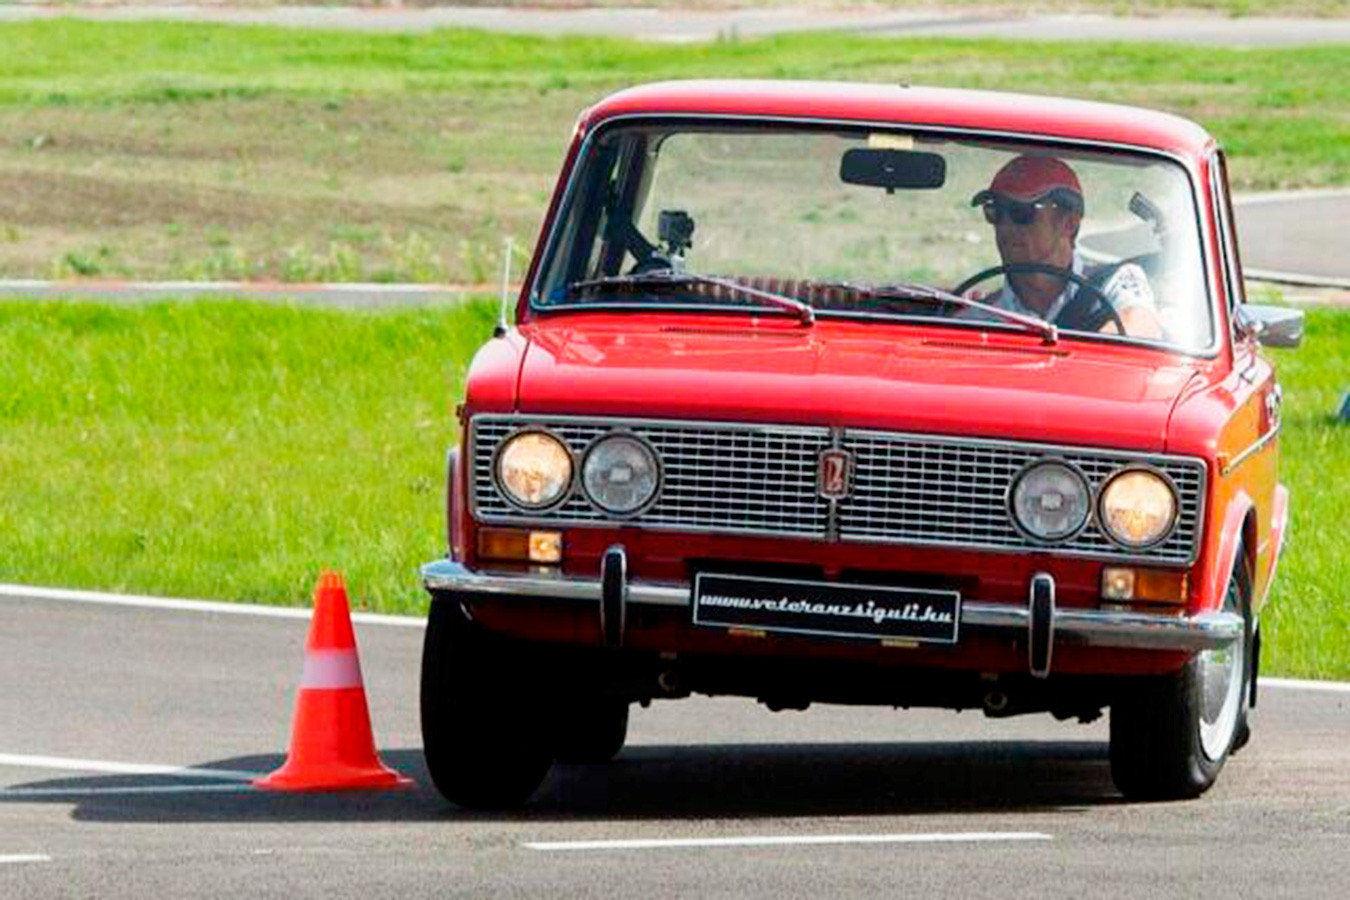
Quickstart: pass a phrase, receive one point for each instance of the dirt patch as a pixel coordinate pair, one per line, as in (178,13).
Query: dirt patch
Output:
(415,187)
(46,200)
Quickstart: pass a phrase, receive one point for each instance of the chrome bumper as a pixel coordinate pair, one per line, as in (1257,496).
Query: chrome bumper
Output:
(1102,628)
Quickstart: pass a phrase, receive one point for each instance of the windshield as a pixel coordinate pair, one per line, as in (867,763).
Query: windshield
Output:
(860,223)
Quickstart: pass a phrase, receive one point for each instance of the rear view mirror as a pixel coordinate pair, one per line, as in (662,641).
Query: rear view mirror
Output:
(893,169)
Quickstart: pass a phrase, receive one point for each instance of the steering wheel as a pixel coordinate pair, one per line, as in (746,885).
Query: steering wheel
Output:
(1089,309)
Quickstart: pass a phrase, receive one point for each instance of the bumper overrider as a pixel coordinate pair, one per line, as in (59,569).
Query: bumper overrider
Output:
(1040,622)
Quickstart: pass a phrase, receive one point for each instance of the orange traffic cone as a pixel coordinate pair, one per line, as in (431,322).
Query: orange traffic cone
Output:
(332,747)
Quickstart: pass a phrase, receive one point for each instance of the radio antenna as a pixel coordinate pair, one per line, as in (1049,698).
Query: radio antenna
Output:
(499,330)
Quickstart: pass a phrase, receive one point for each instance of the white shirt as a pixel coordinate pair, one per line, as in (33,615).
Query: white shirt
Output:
(1126,288)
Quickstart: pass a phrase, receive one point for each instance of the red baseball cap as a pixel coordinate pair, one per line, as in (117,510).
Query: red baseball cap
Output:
(1029,179)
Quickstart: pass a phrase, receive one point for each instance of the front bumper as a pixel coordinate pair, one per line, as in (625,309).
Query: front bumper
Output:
(1040,622)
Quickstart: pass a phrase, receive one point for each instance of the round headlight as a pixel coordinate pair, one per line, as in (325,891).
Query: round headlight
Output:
(1050,501)
(534,469)
(1138,508)
(620,474)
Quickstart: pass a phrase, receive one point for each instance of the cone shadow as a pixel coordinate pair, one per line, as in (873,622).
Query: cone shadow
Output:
(726,781)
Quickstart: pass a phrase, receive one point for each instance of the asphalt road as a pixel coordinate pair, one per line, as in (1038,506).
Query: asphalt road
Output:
(681,26)
(918,803)
(1296,235)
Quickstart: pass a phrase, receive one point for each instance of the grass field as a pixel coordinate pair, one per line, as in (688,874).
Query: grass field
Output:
(162,150)
(229,450)
(225,449)
(1232,8)
(1309,613)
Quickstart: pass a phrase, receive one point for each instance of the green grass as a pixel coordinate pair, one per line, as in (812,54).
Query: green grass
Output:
(227,450)
(231,450)
(1231,8)
(167,150)
(1309,612)
(1234,8)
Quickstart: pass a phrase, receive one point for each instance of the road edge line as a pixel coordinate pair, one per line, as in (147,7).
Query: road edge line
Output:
(292,612)
(1304,684)
(109,767)
(146,790)
(787,840)
(143,601)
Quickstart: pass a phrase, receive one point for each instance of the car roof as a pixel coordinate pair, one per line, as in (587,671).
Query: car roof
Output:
(991,111)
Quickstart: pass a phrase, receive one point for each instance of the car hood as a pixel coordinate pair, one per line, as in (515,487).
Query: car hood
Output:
(933,380)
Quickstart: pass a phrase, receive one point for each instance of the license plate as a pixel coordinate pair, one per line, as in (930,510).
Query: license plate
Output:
(825,608)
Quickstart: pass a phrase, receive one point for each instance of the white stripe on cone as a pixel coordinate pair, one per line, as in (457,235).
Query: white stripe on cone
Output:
(331,670)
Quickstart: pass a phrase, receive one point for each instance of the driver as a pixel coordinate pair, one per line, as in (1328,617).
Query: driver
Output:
(1035,204)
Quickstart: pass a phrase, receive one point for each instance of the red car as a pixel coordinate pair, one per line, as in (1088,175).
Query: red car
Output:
(865,394)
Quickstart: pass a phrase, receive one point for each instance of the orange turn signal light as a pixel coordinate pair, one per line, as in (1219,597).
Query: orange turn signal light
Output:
(546,546)
(1126,584)
(518,545)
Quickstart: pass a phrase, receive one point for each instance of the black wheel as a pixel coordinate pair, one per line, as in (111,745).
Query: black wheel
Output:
(592,730)
(1089,310)
(1171,735)
(485,727)
(1244,729)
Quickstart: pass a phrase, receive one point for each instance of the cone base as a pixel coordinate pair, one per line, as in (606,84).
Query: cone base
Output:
(332,778)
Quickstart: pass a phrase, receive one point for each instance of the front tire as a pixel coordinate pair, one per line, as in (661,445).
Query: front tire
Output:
(1171,735)
(484,728)
(1244,729)
(592,730)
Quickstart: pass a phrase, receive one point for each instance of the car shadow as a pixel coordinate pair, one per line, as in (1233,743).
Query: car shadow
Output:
(725,781)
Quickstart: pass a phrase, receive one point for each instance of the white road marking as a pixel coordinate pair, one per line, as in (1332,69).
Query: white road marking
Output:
(119,768)
(23,858)
(791,840)
(23,591)
(201,606)
(20,793)
(1299,684)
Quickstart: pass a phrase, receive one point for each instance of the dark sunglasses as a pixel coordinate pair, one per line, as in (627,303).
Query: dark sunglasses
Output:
(996,209)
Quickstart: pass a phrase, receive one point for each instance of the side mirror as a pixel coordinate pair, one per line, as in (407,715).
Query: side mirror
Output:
(1272,326)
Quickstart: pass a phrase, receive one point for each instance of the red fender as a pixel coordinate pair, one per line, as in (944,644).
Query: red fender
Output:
(1279,519)
(1230,538)
(454,504)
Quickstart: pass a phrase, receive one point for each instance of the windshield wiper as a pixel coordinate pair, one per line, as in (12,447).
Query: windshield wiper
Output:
(896,291)
(671,278)
(1048,332)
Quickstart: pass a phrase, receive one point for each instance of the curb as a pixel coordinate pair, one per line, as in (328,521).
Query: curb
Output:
(1260,197)
(1294,279)
(342,293)
(335,293)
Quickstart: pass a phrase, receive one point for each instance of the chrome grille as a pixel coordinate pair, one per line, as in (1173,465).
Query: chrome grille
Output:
(906,488)
(919,489)
(739,478)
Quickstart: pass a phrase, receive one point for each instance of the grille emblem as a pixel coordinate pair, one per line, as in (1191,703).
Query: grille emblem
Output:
(833,476)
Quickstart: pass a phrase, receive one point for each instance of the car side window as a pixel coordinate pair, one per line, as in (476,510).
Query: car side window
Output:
(1228,239)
